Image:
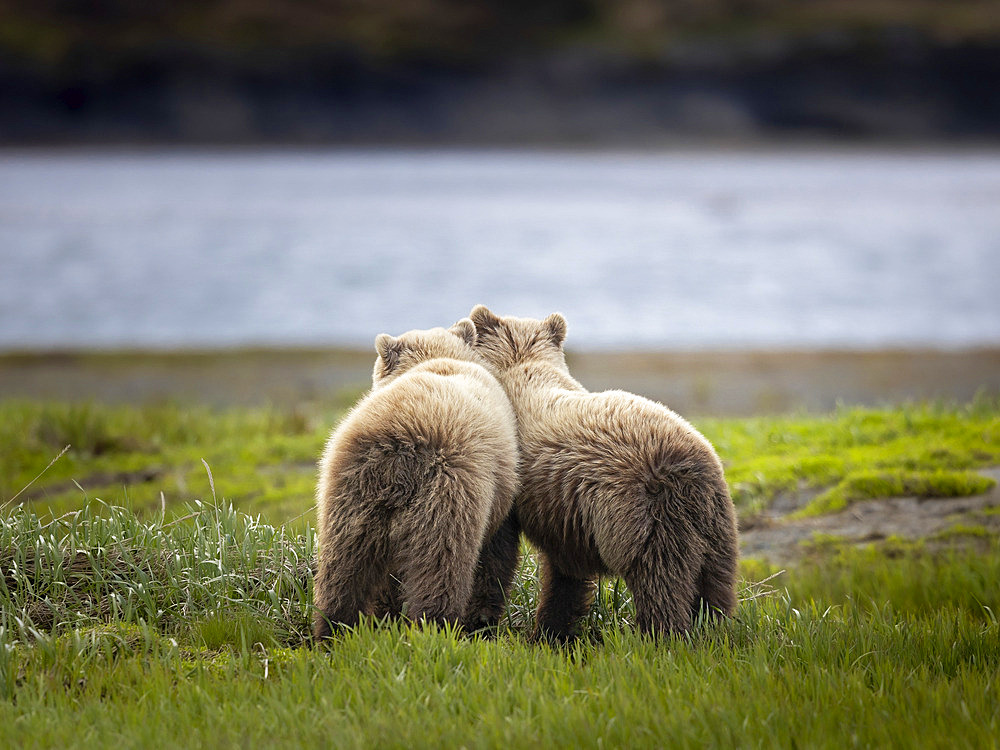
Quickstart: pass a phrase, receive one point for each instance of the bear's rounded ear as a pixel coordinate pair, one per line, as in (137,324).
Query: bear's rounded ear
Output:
(555,324)
(465,329)
(483,319)
(388,349)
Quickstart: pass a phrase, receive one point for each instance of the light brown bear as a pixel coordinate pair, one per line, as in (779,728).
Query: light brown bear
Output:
(415,483)
(610,483)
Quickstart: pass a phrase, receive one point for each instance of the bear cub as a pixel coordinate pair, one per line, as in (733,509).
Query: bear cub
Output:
(416,487)
(610,483)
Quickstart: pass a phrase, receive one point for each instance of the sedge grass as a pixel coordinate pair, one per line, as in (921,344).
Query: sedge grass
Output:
(193,633)
(185,624)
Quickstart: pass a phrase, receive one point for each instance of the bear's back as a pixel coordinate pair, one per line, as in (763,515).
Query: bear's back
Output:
(620,425)
(444,405)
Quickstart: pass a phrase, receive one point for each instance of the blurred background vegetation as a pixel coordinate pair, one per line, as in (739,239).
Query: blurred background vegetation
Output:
(431,71)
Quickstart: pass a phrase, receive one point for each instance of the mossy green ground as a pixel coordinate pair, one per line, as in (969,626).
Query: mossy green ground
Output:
(187,625)
(264,460)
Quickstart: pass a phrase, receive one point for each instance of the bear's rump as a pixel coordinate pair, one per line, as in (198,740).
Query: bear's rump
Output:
(579,505)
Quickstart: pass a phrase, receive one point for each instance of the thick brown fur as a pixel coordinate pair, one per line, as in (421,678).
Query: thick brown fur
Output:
(415,482)
(610,483)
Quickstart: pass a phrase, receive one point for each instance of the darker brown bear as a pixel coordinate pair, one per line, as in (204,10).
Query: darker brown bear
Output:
(610,483)
(415,483)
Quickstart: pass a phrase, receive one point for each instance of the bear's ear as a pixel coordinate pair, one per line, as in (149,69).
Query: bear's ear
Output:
(388,349)
(484,320)
(555,325)
(465,329)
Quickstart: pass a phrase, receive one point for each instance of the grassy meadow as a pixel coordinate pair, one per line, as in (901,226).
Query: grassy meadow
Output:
(156,590)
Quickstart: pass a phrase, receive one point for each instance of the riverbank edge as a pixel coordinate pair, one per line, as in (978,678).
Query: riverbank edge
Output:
(703,382)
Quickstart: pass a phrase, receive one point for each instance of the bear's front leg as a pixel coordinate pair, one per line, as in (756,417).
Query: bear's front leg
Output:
(495,570)
(563,600)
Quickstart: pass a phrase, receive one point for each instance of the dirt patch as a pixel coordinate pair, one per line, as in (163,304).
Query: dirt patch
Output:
(775,537)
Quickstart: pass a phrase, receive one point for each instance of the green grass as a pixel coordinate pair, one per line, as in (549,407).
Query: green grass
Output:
(117,630)
(964,530)
(795,680)
(913,449)
(187,624)
(864,485)
(264,459)
(182,620)
(202,574)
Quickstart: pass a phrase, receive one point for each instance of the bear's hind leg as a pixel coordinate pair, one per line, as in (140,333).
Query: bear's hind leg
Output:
(388,600)
(717,583)
(436,584)
(438,547)
(663,585)
(341,597)
(352,568)
(562,601)
(495,570)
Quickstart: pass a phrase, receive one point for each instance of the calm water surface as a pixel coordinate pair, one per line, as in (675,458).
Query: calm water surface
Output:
(713,249)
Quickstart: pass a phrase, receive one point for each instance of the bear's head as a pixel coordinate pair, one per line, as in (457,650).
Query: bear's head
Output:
(506,342)
(397,354)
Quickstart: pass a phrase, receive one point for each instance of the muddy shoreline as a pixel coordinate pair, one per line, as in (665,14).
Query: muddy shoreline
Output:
(705,383)
(776,537)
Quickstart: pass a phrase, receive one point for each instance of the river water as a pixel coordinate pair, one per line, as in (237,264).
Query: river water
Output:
(713,249)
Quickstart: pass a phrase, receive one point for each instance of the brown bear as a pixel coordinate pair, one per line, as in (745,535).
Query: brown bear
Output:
(416,482)
(610,483)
